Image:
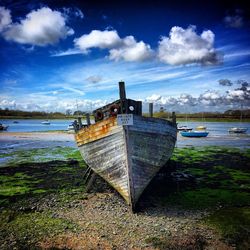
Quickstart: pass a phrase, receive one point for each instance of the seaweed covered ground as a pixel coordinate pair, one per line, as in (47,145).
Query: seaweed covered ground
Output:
(200,200)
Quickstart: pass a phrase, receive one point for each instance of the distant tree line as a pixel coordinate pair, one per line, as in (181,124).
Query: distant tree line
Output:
(227,114)
(7,113)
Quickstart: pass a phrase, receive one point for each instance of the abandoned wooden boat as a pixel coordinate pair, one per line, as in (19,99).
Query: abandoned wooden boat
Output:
(125,148)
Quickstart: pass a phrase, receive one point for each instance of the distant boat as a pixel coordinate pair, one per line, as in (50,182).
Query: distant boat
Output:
(71,128)
(201,128)
(3,127)
(46,122)
(237,130)
(184,128)
(194,133)
(15,122)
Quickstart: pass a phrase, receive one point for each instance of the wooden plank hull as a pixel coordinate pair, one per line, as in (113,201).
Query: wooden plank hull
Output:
(127,157)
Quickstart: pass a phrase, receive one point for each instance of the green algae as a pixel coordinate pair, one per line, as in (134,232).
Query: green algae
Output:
(222,176)
(40,155)
(28,228)
(234,225)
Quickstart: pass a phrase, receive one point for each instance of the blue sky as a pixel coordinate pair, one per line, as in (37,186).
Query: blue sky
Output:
(181,55)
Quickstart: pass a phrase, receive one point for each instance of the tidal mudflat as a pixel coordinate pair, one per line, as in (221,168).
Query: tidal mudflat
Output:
(200,200)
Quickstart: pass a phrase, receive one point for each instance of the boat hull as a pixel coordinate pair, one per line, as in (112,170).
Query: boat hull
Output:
(194,134)
(237,130)
(127,157)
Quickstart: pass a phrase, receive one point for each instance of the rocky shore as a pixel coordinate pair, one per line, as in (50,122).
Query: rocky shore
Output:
(199,201)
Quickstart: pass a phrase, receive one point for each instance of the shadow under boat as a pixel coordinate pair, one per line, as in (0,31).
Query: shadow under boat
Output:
(125,148)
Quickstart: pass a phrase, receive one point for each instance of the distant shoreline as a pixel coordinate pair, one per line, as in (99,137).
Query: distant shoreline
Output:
(178,119)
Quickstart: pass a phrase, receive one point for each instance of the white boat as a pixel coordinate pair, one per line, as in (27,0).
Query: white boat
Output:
(237,130)
(184,128)
(3,127)
(71,127)
(46,122)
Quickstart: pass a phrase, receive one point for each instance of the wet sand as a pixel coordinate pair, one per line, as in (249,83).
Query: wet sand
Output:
(29,140)
(21,140)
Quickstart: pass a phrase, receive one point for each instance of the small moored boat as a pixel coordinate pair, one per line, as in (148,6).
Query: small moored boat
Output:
(125,148)
(237,130)
(194,133)
(46,122)
(184,128)
(201,128)
(3,127)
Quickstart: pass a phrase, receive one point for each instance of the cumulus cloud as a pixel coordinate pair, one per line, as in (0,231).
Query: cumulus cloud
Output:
(40,28)
(131,51)
(98,39)
(127,49)
(186,99)
(5,18)
(225,82)
(185,46)
(210,98)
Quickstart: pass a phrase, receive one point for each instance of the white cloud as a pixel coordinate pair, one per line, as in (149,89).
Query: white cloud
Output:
(131,51)
(98,39)
(127,49)
(185,46)
(5,18)
(40,27)
(153,98)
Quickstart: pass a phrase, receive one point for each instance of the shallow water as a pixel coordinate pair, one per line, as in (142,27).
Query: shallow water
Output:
(32,125)
(218,135)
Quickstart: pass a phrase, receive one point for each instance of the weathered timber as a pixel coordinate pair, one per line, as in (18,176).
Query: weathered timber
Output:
(127,157)
(79,121)
(122,93)
(88,119)
(91,182)
(173,117)
(150,109)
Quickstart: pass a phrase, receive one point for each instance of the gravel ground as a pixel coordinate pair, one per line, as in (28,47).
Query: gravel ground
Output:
(105,222)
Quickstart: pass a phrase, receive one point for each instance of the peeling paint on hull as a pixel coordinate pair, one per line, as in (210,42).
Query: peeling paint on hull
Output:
(127,157)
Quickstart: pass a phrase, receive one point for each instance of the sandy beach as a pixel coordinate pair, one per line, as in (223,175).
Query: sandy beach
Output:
(45,136)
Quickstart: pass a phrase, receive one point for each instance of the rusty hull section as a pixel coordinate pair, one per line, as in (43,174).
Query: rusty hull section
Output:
(102,146)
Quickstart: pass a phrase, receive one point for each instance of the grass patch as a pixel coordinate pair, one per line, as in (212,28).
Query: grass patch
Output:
(207,198)
(39,171)
(222,176)
(233,224)
(40,155)
(28,228)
